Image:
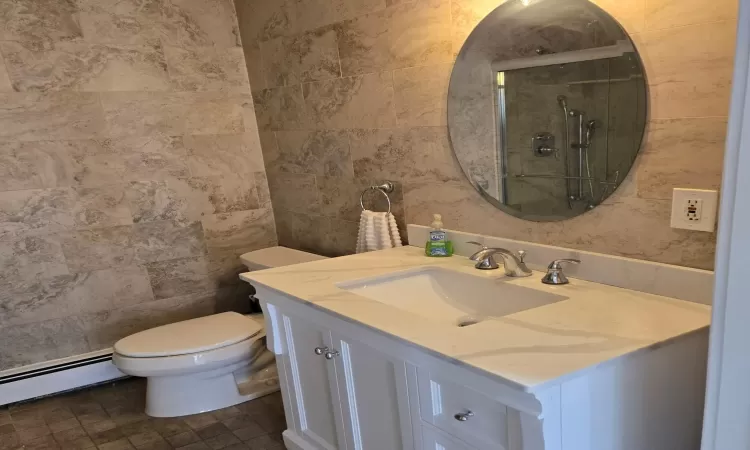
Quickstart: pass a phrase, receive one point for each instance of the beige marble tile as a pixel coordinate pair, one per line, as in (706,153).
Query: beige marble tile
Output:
(144,113)
(324,152)
(178,277)
(254,63)
(284,227)
(662,14)
(180,200)
(411,34)
(324,236)
(165,240)
(36,211)
(94,249)
(125,22)
(465,15)
(294,192)
(685,153)
(200,23)
(85,67)
(689,69)
(261,187)
(240,232)
(104,328)
(233,193)
(631,14)
(31,343)
(312,14)
(223,155)
(5,84)
(263,20)
(156,157)
(40,23)
(34,116)
(421,95)
(207,69)
(310,56)
(41,299)
(30,257)
(615,227)
(281,108)
(33,165)
(354,102)
(101,207)
(421,154)
(339,198)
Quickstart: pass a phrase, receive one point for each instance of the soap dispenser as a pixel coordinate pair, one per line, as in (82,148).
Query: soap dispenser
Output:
(438,245)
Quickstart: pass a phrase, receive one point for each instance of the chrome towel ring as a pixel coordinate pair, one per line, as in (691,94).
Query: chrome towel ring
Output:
(385,189)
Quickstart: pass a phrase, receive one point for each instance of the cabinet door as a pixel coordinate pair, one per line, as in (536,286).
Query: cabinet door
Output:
(311,384)
(374,398)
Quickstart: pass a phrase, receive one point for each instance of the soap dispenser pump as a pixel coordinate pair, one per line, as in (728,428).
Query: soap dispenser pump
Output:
(438,245)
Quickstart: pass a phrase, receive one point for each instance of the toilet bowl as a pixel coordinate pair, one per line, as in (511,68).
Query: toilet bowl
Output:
(207,363)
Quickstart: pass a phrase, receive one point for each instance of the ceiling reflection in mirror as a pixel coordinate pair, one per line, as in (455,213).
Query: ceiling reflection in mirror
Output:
(547,107)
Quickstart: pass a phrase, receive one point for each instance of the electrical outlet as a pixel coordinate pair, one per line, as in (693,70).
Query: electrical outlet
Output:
(694,209)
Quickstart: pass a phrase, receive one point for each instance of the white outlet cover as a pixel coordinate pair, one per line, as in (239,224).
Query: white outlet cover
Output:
(708,201)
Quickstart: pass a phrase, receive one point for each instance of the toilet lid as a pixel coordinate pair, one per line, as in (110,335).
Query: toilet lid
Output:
(189,336)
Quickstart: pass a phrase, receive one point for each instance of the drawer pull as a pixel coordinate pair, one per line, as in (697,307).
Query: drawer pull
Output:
(464,416)
(332,354)
(320,350)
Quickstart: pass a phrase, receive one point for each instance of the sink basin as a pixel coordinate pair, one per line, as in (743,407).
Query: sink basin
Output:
(449,297)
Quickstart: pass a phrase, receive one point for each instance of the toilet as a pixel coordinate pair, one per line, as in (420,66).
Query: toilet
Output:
(208,363)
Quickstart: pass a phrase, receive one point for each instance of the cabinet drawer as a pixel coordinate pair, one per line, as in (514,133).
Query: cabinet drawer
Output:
(462,412)
(432,439)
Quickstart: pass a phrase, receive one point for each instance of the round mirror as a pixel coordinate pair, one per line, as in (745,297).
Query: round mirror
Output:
(547,107)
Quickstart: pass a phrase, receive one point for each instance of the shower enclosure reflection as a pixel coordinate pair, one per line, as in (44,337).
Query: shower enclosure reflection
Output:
(567,133)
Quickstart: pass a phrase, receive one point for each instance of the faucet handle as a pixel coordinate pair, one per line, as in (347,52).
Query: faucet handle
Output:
(555,265)
(475,256)
(555,273)
(521,255)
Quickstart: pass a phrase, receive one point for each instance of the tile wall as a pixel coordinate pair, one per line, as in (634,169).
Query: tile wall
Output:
(131,175)
(350,92)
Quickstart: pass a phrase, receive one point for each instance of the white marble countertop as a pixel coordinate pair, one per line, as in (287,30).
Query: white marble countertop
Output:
(531,349)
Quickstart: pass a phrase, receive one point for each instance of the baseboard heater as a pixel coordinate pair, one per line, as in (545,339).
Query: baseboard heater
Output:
(40,380)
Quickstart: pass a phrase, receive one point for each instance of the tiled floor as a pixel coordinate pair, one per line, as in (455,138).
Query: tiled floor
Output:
(111,417)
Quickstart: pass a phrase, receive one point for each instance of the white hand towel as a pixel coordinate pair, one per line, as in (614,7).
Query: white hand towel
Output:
(377,231)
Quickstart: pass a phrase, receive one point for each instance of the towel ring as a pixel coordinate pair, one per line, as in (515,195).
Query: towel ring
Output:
(384,189)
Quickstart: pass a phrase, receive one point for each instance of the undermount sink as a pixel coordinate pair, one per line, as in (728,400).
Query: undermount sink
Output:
(450,297)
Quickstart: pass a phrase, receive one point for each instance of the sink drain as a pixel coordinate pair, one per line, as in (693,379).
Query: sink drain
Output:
(467,321)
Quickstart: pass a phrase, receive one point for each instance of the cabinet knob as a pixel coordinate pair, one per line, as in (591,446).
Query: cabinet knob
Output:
(332,354)
(464,416)
(320,350)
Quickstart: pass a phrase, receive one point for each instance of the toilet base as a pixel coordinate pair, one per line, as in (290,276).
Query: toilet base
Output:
(173,396)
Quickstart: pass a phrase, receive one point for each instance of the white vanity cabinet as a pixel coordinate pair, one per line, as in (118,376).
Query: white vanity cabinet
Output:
(349,387)
(340,393)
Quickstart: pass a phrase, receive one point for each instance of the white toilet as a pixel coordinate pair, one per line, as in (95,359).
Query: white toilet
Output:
(208,363)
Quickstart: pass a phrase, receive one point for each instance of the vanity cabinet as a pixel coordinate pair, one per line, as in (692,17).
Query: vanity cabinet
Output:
(341,393)
(349,387)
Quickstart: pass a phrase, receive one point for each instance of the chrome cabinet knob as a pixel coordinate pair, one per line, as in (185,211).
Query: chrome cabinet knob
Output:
(320,350)
(332,354)
(464,416)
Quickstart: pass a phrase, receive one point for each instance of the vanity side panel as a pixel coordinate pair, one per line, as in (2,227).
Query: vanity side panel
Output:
(651,400)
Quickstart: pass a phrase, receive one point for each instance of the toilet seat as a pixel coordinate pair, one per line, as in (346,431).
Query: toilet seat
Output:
(239,352)
(190,336)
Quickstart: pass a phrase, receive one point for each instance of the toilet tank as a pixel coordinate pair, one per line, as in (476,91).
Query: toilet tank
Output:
(271,257)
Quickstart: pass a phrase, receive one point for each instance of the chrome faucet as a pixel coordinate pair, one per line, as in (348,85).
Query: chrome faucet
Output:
(512,262)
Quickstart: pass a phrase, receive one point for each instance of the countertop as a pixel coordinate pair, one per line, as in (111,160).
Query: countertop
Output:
(531,349)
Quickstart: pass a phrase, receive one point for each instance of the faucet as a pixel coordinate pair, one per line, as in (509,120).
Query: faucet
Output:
(512,262)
